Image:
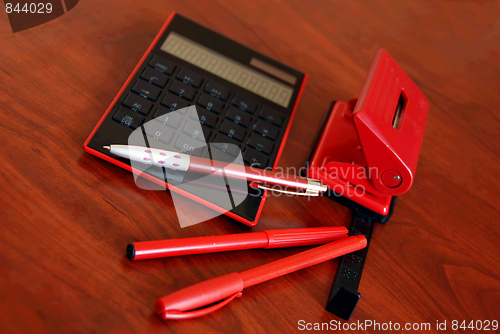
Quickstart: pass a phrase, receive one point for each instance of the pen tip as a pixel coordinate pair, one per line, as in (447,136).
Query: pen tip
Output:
(107,147)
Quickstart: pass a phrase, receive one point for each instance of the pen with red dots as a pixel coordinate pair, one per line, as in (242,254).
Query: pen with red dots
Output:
(259,178)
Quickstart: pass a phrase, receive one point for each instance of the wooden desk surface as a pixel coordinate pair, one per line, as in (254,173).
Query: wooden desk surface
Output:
(67,216)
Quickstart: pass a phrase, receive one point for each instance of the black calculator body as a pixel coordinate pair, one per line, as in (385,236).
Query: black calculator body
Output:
(242,98)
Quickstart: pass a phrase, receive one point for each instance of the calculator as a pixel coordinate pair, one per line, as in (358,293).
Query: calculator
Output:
(241,96)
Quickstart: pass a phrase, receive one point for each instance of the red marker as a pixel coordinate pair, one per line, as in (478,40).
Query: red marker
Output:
(143,250)
(179,305)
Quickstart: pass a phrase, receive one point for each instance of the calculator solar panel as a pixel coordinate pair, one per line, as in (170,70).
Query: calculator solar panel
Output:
(241,96)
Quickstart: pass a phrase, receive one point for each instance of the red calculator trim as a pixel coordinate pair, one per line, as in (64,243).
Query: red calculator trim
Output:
(165,184)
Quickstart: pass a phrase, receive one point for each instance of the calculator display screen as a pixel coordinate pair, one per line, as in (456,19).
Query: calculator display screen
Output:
(228,69)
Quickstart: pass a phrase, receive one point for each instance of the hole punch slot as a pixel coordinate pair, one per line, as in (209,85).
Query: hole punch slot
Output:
(398,114)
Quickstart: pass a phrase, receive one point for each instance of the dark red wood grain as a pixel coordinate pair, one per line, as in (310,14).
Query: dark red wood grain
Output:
(66,216)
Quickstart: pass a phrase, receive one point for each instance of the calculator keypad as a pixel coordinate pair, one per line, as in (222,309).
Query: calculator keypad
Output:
(174,102)
(238,116)
(271,115)
(266,130)
(211,103)
(146,89)
(190,78)
(172,119)
(232,130)
(138,103)
(217,90)
(155,77)
(189,145)
(128,118)
(158,131)
(183,90)
(261,144)
(244,103)
(192,129)
(254,158)
(162,65)
(230,122)
(226,145)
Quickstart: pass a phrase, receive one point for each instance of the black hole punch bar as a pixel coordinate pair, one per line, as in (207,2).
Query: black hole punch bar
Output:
(398,114)
(344,294)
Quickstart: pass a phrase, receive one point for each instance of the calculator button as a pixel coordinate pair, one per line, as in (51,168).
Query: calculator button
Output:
(211,103)
(162,64)
(155,77)
(189,145)
(217,90)
(223,143)
(244,103)
(146,89)
(138,103)
(272,116)
(196,130)
(128,118)
(174,102)
(204,117)
(183,90)
(161,111)
(238,116)
(158,131)
(189,77)
(266,129)
(261,144)
(171,118)
(232,130)
(254,158)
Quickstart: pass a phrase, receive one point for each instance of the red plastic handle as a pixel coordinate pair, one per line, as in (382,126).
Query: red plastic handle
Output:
(178,315)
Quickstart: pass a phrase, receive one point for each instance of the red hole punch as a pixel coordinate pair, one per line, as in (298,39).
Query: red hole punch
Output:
(368,149)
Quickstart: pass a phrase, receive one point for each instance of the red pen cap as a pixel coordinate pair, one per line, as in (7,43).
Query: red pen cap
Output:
(295,237)
(174,305)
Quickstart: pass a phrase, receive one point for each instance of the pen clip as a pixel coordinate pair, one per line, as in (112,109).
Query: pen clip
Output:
(178,315)
(308,192)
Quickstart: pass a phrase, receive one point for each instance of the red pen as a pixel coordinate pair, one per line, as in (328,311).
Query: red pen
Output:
(185,162)
(223,289)
(220,243)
